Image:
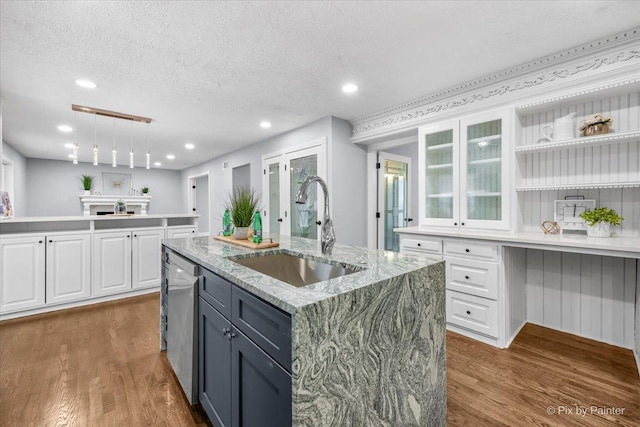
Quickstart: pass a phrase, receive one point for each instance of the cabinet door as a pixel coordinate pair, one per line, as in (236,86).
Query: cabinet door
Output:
(272,185)
(111,262)
(439,174)
(146,252)
(214,366)
(22,277)
(484,172)
(261,389)
(68,267)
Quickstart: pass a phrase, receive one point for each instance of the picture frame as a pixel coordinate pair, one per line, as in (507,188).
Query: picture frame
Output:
(567,213)
(116,184)
(7,208)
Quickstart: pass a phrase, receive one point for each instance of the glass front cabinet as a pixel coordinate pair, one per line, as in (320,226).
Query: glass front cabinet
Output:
(464,170)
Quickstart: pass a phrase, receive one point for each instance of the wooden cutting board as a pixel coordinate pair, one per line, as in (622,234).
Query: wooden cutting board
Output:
(247,243)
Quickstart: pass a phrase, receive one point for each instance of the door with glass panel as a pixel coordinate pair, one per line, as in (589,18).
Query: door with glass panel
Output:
(483,164)
(283,174)
(438,149)
(393,199)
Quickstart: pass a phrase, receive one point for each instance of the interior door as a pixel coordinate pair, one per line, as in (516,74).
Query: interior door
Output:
(393,199)
(272,189)
(304,220)
(200,202)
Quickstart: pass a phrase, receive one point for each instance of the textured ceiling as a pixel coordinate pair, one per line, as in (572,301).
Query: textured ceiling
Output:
(209,72)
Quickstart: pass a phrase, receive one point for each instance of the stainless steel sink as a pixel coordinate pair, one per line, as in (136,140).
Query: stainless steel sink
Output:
(295,270)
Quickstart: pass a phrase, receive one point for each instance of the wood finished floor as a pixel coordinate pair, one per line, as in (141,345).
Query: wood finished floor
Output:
(100,366)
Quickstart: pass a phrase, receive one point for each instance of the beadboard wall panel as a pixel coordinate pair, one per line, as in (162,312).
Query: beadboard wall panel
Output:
(587,295)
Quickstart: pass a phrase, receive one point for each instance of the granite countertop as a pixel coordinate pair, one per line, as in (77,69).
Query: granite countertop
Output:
(378,266)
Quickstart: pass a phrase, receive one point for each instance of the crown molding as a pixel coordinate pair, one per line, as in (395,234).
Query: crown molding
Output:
(595,59)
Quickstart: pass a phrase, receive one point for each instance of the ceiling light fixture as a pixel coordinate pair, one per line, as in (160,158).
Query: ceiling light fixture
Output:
(170,156)
(75,144)
(189,146)
(114,152)
(131,165)
(95,145)
(86,84)
(65,128)
(350,88)
(148,160)
(265,124)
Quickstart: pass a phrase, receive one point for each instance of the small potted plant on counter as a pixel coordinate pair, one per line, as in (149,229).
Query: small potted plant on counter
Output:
(243,203)
(87,183)
(600,220)
(145,191)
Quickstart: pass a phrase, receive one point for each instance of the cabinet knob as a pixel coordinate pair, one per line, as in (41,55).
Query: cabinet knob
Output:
(128,236)
(468,312)
(462,223)
(455,223)
(419,244)
(193,231)
(466,277)
(135,235)
(467,250)
(40,241)
(50,241)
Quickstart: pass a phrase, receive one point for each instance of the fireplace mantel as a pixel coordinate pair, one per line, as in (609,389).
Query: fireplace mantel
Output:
(107,202)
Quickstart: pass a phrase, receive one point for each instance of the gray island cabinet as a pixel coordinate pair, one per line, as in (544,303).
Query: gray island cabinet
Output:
(362,349)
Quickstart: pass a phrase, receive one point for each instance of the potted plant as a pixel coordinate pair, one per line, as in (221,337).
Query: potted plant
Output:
(242,204)
(600,220)
(145,191)
(120,207)
(87,183)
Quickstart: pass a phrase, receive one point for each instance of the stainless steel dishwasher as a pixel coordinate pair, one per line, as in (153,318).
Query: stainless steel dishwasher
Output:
(182,319)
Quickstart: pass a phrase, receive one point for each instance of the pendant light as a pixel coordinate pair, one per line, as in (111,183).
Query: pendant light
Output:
(148,152)
(74,154)
(131,152)
(114,152)
(95,145)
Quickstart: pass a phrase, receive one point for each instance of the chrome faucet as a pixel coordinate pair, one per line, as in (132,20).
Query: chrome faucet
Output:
(328,237)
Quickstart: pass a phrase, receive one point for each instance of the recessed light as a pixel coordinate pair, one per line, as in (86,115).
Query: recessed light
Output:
(265,124)
(86,84)
(189,146)
(170,156)
(157,164)
(65,128)
(350,88)
(68,145)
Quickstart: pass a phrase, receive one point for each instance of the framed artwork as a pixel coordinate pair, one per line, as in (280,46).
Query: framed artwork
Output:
(7,209)
(116,184)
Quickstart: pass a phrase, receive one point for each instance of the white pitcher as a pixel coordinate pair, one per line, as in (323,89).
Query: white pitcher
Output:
(563,128)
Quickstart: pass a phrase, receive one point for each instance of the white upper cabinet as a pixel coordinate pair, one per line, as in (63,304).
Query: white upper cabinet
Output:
(464,171)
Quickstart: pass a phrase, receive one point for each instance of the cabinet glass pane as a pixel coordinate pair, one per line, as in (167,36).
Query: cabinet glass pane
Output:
(304,217)
(274,198)
(484,171)
(439,174)
(395,202)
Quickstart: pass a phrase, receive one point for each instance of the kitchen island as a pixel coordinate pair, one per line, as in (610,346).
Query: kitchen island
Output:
(366,348)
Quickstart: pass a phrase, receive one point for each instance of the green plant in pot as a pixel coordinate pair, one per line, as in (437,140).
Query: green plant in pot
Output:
(145,190)
(87,183)
(243,202)
(600,220)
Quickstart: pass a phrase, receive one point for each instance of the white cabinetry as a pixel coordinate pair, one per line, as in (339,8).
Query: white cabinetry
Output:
(179,232)
(22,281)
(146,253)
(464,171)
(126,259)
(111,262)
(68,262)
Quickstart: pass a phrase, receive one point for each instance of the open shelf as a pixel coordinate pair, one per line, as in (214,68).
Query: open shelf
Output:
(487,194)
(583,186)
(484,138)
(485,161)
(587,141)
(440,196)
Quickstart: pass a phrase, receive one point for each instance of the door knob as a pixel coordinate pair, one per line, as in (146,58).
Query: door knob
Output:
(279,219)
(318,222)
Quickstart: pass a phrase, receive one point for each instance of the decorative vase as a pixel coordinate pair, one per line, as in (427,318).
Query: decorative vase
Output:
(119,208)
(596,129)
(241,233)
(599,229)
(87,192)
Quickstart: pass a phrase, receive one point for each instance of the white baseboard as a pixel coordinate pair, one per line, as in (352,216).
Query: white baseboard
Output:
(513,337)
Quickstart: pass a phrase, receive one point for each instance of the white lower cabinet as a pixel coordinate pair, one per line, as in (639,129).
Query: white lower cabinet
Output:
(179,232)
(474,313)
(68,262)
(22,280)
(125,260)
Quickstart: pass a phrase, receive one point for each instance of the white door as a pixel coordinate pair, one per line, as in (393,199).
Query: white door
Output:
(146,252)
(68,267)
(394,204)
(272,191)
(22,278)
(111,262)
(199,201)
(303,220)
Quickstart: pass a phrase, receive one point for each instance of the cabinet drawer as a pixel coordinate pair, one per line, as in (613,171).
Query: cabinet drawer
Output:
(216,291)
(421,245)
(473,313)
(265,324)
(472,277)
(468,249)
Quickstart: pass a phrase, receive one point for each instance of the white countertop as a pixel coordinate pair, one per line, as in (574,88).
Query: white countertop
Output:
(628,246)
(24,219)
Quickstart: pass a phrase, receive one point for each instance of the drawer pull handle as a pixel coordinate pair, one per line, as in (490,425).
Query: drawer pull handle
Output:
(225,332)
(466,277)
(467,250)
(468,312)
(419,244)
